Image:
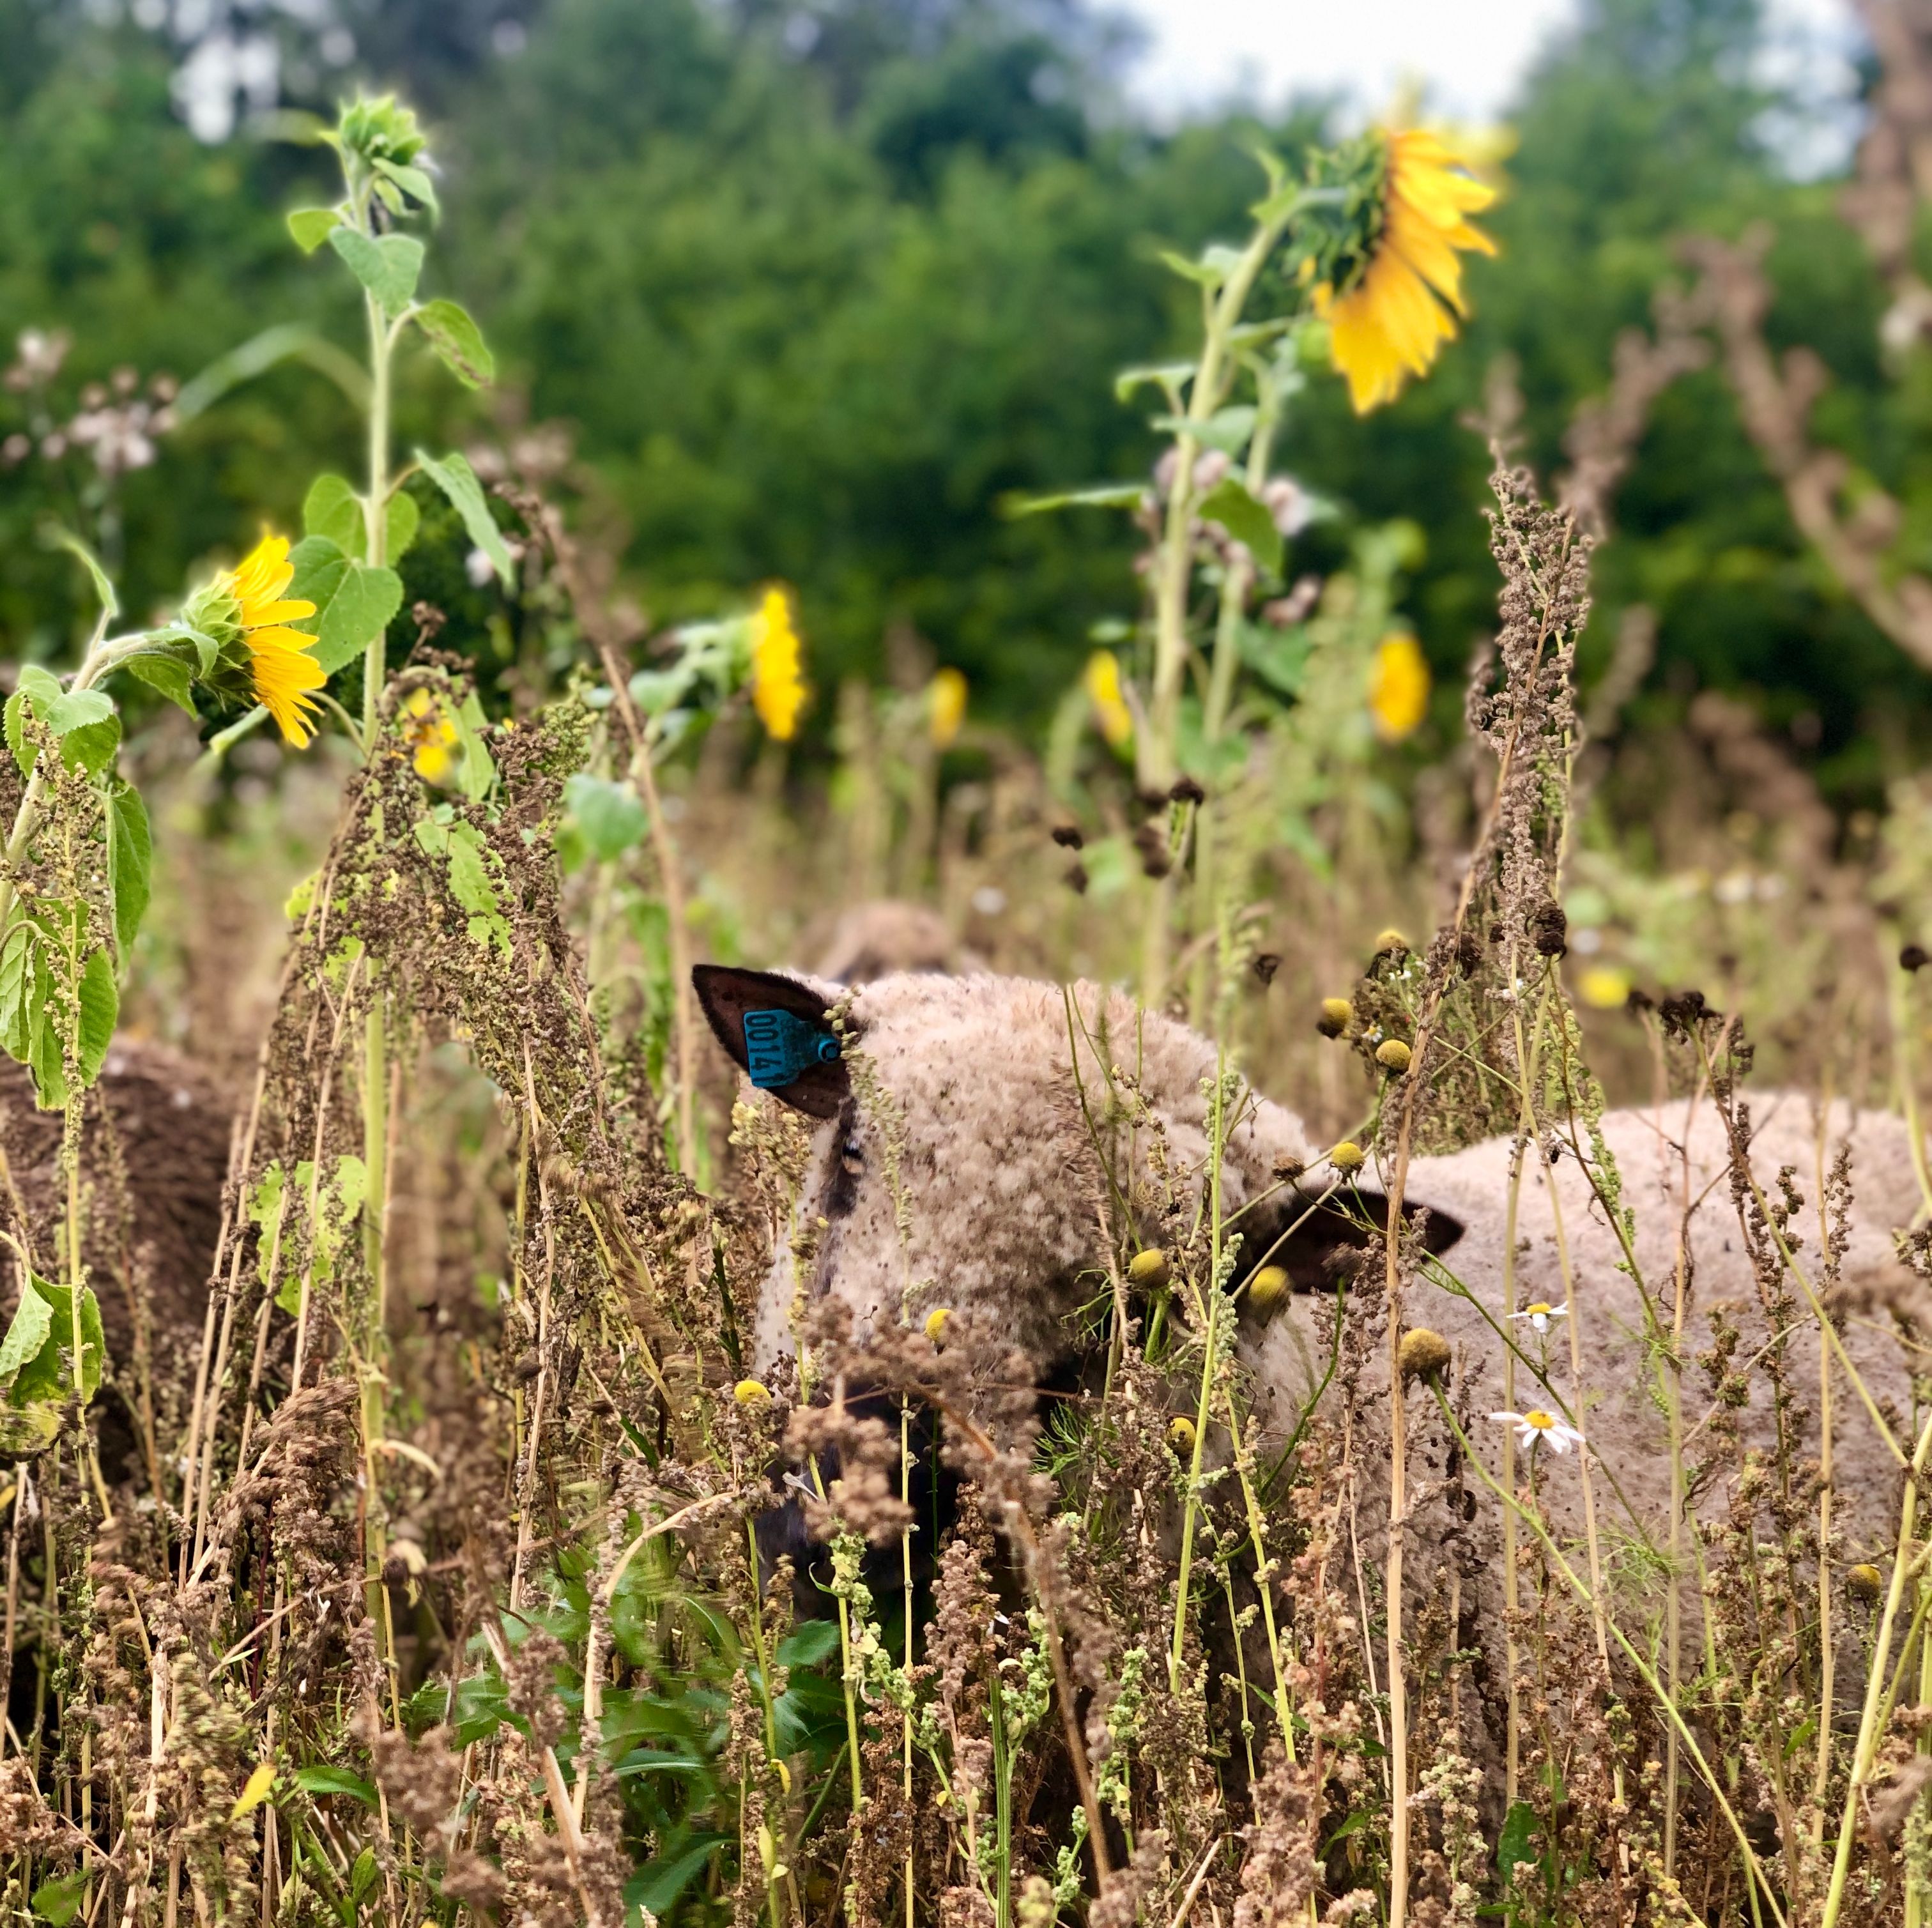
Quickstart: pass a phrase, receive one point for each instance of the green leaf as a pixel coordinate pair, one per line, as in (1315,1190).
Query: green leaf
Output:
(399,525)
(42,685)
(110,604)
(1247,520)
(26,1335)
(312,226)
(333,509)
(46,1377)
(1513,1845)
(470,884)
(386,264)
(609,815)
(100,1012)
(362,1876)
(58,1900)
(92,746)
(15,714)
(353,602)
(808,1643)
(1227,429)
(457,480)
(74,709)
(458,342)
(1172,375)
(477,773)
(658,1884)
(412,180)
(168,674)
(17,984)
(325,1779)
(1207,272)
(1106,495)
(130,861)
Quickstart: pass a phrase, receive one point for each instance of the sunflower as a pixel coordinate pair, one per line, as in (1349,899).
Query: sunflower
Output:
(947,697)
(1110,703)
(1390,319)
(1398,686)
(778,682)
(280,668)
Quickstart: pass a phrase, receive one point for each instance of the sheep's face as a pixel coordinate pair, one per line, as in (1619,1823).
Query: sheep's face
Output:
(963,1154)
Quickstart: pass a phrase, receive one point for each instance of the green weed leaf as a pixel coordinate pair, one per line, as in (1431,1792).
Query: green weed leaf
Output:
(100,1012)
(609,815)
(331,508)
(58,1900)
(457,480)
(323,1779)
(1247,520)
(31,1323)
(130,860)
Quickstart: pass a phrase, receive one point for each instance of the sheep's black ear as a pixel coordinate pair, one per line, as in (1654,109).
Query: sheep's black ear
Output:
(778,1032)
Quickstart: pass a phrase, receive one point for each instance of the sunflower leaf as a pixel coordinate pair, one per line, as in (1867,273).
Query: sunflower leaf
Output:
(412,180)
(399,521)
(386,264)
(332,508)
(458,342)
(169,674)
(25,1336)
(90,747)
(457,480)
(73,709)
(353,601)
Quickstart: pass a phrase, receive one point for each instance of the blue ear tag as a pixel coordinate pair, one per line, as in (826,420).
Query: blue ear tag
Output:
(780,1048)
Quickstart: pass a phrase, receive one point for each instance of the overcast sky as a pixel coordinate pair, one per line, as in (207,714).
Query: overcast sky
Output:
(1470,53)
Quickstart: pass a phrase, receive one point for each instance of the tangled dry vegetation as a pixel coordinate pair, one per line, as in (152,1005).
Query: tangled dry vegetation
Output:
(418,1576)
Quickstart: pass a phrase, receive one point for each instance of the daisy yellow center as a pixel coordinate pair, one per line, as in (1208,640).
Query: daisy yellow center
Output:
(1539,1310)
(1542,1422)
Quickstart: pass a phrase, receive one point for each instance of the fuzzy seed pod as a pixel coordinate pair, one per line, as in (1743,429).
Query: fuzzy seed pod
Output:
(751,1392)
(1347,1156)
(1422,1354)
(935,1323)
(1388,942)
(1150,1268)
(1180,1434)
(1864,1582)
(1266,1289)
(1336,1013)
(1549,931)
(1392,1054)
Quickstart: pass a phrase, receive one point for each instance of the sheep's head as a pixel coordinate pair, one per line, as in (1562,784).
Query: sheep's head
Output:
(982,1143)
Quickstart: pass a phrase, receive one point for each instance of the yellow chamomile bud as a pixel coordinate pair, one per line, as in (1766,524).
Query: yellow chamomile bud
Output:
(751,1392)
(1392,1054)
(1388,940)
(1336,1014)
(1347,1156)
(1149,1269)
(1266,1289)
(1180,1434)
(1865,1583)
(935,1323)
(1422,1353)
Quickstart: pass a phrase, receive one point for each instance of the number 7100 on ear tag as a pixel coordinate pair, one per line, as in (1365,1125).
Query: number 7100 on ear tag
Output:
(780,1047)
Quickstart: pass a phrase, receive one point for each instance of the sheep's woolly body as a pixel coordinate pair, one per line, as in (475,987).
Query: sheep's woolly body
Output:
(966,1084)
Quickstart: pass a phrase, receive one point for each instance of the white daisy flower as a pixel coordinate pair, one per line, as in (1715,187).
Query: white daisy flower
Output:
(1533,1426)
(1540,1314)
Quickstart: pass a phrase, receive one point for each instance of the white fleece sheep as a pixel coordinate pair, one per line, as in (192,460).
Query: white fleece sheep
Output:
(968,1084)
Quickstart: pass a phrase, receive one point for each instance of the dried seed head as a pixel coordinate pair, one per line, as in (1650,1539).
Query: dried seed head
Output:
(1864,1582)
(1067,836)
(1150,1268)
(1336,1014)
(1388,942)
(1186,790)
(1076,879)
(1288,1169)
(1267,962)
(751,1393)
(935,1323)
(1468,953)
(1422,1354)
(1347,1156)
(1180,1434)
(528,1366)
(1392,1054)
(1550,931)
(1914,957)
(1266,1289)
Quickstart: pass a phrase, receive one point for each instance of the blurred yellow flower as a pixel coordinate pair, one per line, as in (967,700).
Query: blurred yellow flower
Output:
(280,667)
(1398,687)
(1392,322)
(1605,986)
(430,733)
(777,678)
(946,696)
(1111,712)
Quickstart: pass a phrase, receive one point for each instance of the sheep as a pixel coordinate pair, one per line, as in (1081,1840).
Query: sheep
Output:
(955,1163)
